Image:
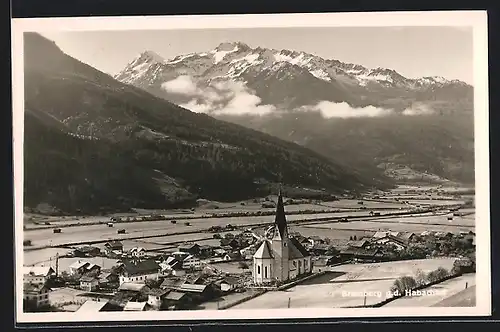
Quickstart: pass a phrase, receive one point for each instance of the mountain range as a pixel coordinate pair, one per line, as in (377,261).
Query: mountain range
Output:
(285,80)
(94,144)
(358,117)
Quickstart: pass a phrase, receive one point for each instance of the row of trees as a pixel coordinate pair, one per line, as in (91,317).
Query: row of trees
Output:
(421,279)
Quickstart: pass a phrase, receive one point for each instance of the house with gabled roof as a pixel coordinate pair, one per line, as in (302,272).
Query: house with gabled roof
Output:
(78,267)
(35,295)
(139,271)
(113,247)
(156,297)
(37,274)
(282,257)
(391,240)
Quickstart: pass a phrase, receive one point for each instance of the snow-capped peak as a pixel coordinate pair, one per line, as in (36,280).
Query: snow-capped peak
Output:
(151,57)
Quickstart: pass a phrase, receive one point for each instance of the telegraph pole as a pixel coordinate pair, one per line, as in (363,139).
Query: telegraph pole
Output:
(57,264)
(289,300)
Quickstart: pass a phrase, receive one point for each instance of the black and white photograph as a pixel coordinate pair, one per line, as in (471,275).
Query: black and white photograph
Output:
(251,166)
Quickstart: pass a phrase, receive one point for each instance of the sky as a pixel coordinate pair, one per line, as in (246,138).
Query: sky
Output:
(411,51)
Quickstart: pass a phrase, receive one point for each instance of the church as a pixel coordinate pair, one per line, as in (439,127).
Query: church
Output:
(282,257)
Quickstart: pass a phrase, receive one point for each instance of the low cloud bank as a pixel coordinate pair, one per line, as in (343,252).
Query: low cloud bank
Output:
(220,98)
(418,109)
(235,98)
(330,109)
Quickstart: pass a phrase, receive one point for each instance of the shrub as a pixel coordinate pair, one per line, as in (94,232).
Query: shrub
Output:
(420,278)
(402,284)
(437,274)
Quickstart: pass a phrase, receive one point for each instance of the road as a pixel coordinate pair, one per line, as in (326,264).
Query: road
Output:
(46,237)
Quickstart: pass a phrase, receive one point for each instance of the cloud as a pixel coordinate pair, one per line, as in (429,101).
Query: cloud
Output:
(222,97)
(418,109)
(195,106)
(329,109)
(183,84)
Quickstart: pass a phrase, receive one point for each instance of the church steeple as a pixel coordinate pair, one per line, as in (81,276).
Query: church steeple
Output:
(280,218)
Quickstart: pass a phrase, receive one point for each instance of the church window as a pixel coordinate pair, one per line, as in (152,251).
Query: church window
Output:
(295,263)
(300,263)
(284,244)
(265,272)
(305,262)
(258,269)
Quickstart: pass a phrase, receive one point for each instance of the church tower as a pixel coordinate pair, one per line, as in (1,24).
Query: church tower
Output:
(280,242)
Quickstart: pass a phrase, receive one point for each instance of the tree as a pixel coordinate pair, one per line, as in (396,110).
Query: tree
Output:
(402,284)
(437,275)
(420,278)
(243,265)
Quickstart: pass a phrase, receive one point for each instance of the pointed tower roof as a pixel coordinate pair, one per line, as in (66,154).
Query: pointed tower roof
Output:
(264,251)
(280,218)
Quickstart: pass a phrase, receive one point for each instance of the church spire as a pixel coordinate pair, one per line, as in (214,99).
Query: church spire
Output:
(280,218)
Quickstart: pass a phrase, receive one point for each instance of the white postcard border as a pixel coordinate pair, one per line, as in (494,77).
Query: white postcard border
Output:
(475,19)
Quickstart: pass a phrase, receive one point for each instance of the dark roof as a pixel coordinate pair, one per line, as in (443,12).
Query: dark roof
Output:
(140,267)
(87,249)
(158,292)
(357,244)
(34,288)
(172,283)
(299,247)
(393,238)
(205,246)
(280,218)
(114,244)
(188,245)
(359,251)
(175,296)
(230,280)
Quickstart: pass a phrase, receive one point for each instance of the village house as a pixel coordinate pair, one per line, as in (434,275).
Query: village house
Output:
(92,269)
(360,254)
(206,251)
(35,296)
(108,277)
(230,244)
(219,252)
(282,258)
(190,248)
(248,235)
(322,262)
(319,248)
(78,268)
(232,256)
(137,252)
(177,300)
(172,283)
(359,244)
(391,240)
(138,271)
(156,297)
(86,251)
(191,262)
(248,252)
(228,284)
(179,255)
(89,284)
(37,274)
(113,248)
